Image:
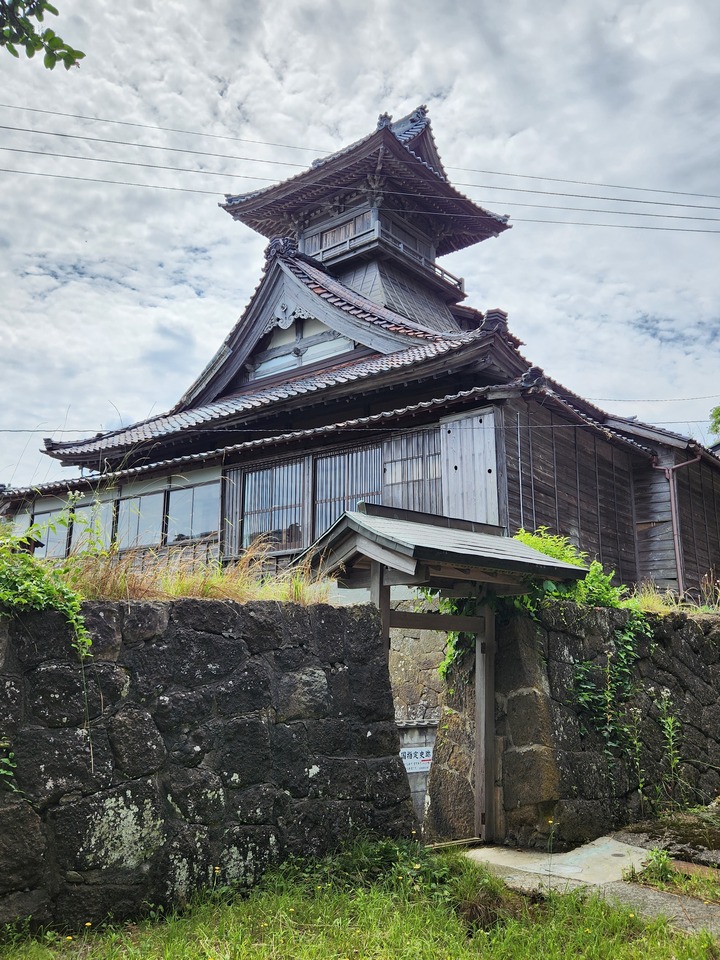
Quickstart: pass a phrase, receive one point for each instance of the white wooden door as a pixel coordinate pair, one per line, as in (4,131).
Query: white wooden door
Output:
(469,467)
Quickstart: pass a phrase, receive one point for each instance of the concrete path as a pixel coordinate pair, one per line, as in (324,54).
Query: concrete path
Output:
(597,866)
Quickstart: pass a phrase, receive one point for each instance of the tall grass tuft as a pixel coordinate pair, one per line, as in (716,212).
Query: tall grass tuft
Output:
(146,575)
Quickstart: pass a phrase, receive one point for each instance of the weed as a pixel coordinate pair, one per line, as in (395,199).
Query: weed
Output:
(7,766)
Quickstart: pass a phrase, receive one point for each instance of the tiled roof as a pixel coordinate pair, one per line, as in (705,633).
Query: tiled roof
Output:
(358,424)
(343,297)
(256,397)
(405,130)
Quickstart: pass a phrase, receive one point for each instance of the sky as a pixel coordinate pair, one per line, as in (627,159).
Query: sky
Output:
(114,296)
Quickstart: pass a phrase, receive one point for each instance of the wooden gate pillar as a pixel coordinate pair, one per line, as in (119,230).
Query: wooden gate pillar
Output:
(485,730)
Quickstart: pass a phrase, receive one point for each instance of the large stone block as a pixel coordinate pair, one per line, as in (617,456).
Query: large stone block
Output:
(118,830)
(519,661)
(245,691)
(529,718)
(40,636)
(136,742)
(291,762)
(53,763)
(104,623)
(302,694)
(22,845)
(243,751)
(144,621)
(363,642)
(11,705)
(530,776)
(196,793)
(63,694)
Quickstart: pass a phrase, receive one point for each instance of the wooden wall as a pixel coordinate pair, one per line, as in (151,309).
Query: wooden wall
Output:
(565,477)
(698,500)
(656,553)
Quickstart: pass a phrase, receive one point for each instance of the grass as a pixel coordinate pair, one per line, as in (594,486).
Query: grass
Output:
(382,900)
(144,575)
(660,872)
(651,599)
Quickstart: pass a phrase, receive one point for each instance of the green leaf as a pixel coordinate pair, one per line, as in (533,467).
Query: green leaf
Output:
(29,51)
(11,49)
(50,8)
(49,60)
(56,43)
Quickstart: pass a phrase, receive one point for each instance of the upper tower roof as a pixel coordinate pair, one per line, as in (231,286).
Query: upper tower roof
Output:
(397,161)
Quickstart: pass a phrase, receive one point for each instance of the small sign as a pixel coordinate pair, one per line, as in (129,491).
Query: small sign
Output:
(416,759)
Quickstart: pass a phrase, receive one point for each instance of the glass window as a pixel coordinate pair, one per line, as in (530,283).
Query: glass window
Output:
(193,512)
(273,506)
(92,526)
(20,523)
(140,521)
(342,480)
(53,533)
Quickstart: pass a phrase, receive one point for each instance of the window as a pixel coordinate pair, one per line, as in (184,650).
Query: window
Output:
(342,480)
(92,525)
(337,234)
(53,533)
(273,506)
(193,512)
(140,521)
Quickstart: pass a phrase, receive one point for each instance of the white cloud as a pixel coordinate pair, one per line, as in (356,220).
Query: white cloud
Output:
(114,297)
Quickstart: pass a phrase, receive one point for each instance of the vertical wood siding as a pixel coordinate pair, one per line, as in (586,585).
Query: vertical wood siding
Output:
(579,485)
(343,479)
(698,511)
(412,471)
(469,467)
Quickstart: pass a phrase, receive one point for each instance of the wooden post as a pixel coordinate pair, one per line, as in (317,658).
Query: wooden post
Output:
(380,596)
(485,730)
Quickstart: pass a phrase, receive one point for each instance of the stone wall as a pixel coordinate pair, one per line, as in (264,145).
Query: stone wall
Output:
(202,742)
(556,773)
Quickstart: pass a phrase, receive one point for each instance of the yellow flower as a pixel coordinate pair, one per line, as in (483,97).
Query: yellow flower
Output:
(88,924)
(551,821)
(68,938)
(632,915)
(416,866)
(292,909)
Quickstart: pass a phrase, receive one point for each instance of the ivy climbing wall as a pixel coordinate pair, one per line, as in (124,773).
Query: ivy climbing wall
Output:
(597,724)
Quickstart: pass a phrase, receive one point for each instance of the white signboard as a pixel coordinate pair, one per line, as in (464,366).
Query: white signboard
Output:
(416,759)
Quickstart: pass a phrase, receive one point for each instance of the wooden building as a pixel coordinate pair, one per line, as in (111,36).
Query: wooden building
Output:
(356,372)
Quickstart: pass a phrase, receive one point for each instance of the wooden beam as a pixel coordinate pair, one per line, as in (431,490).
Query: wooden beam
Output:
(380,596)
(398,561)
(485,730)
(437,621)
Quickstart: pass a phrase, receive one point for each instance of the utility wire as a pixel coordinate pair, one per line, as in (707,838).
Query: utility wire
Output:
(218,173)
(574,223)
(327,151)
(91,432)
(285,163)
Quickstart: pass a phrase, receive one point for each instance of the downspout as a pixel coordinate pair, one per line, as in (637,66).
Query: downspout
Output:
(670,477)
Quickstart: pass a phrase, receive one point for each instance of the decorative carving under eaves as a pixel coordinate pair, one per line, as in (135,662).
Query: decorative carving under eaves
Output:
(375,191)
(281,247)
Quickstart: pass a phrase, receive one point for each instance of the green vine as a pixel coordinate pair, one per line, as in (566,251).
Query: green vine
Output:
(30,584)
(603,692)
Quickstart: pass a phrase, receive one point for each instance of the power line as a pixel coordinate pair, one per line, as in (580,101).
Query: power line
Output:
(285,163)
(212,193)
(135,163)
(152,126)
(328,151)
(218,173)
